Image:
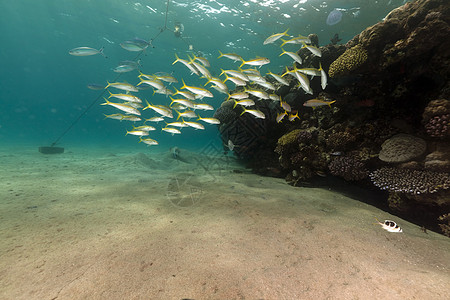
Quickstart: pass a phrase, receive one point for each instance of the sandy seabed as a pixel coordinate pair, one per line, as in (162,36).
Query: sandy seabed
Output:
(113,224)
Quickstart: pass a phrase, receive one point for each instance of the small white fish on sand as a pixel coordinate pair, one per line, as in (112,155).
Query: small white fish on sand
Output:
(86,51)
(389,225)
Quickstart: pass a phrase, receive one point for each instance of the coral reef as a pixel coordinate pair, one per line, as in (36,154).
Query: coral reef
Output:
(402,148)
(349,61)
(392,78)
(287,139)
(350,168)
(410,181)
(436,118)
(438,126)
(225,112)
(340,140)
(439,160)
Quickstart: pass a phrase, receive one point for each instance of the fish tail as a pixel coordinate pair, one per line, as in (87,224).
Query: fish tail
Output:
(101,52)
(285,33)
(221,54)
(243,112)
(176,60)
(235,103)
(284,42)
(284,52)
(223,71)
(108,84)
(331,102)
(110,94)
(126,133)
(148,105)
(243,63)
(184,84)
(107,102)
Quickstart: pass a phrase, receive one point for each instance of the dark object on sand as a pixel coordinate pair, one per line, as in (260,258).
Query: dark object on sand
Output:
(51,150)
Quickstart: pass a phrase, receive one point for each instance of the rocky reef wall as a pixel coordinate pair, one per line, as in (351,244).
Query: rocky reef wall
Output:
(389,127)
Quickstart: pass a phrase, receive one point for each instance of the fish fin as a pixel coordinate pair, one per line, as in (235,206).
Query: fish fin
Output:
(148,105)
(101,52)
(221,54)
(107,102)
(176,60)
(329,103)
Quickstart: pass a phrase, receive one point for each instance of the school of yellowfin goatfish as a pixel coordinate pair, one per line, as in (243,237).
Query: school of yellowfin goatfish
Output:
(187,101)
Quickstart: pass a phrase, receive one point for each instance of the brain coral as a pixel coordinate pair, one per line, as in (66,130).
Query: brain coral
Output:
(349,61)
(402,148)
(410,181)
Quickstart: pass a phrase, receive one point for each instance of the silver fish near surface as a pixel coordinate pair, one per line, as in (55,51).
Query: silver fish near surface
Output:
(86,51)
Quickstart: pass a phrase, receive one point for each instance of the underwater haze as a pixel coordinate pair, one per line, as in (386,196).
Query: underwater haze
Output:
(44,88)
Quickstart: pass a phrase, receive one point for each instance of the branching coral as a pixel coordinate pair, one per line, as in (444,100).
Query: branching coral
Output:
(410,181)
(350,168)
(349,61)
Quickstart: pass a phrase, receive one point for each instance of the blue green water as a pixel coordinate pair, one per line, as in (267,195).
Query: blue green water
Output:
(43,88)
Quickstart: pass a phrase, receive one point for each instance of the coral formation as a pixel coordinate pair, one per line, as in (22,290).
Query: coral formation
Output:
(225,112)
(438,126)
(287,139)
(350,168)
(340,141)
(436,118)
(396,70)
(439,160)
(349,61)
(402,148)
(410,181)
